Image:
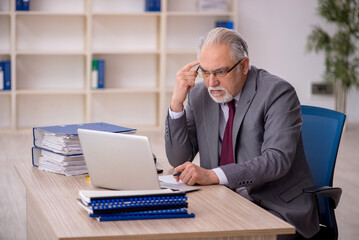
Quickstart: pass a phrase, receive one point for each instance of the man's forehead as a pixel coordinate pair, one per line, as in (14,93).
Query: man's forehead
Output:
(215,56)
(219,64)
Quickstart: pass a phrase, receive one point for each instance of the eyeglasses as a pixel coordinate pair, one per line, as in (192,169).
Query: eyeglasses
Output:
(219,73)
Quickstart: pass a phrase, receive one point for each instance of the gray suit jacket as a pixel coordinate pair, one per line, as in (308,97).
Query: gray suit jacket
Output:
(268,149)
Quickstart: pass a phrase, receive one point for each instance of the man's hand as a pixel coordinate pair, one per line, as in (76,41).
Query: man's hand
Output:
(185,80)
(192,174)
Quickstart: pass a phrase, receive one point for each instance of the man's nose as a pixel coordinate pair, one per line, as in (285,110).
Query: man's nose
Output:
(213,81)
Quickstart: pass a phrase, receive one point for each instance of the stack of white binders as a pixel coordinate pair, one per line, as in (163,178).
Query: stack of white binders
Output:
(57,149)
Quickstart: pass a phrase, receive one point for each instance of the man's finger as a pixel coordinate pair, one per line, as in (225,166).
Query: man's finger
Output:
(190,65)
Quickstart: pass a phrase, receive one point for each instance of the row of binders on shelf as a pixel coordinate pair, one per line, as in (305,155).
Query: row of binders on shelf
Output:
(22,5)
(98,74)
(5,75)
(134,205)
(57,149)
(153,5)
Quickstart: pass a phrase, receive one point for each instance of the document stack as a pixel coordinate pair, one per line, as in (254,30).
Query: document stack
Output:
(134,205)
(212,6)
(57,149)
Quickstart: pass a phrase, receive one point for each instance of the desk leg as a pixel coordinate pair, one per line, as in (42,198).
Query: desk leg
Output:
(36,223)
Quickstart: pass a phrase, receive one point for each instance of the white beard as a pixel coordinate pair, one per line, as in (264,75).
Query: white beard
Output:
(226,98)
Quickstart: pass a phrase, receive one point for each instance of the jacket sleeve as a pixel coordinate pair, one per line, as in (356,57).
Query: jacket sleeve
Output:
(180,138)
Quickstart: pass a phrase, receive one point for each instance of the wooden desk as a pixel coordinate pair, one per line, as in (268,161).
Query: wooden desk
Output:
(53,213)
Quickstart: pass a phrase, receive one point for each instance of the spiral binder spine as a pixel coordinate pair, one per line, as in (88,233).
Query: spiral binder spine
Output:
(138,200)
(156,214)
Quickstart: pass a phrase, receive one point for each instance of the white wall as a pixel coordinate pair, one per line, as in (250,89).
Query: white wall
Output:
(276,32)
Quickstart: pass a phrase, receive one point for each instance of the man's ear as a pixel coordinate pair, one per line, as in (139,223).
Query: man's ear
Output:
(245,65)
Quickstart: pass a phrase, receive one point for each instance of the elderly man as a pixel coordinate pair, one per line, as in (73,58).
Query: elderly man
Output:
(245,123)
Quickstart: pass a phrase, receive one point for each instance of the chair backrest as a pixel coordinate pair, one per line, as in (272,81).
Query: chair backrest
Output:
(321,133)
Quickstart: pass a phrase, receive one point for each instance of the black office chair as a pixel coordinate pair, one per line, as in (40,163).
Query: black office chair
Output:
(321,133)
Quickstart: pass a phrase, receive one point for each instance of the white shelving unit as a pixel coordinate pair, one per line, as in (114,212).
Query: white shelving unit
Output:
(51,48)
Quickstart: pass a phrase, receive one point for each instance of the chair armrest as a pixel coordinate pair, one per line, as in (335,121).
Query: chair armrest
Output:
(333,193)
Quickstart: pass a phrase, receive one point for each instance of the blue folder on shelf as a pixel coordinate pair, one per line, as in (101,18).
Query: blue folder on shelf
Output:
(5,68)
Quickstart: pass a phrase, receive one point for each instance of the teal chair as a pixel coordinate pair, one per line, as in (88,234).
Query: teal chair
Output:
(321,133)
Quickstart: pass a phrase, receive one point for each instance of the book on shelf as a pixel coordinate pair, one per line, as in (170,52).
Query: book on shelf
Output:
(109,205)
(18,5)
(101,74)
(212,6)
(153,5)
(5,75)
(94,74)
(2,80)
(98,74)
(57,148)
(22,5)
(225,24)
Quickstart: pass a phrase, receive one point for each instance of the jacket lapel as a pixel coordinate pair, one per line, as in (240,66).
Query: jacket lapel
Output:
(211,117)
(248,92)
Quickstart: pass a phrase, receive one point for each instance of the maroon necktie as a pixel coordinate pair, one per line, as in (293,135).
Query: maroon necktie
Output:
(227,145)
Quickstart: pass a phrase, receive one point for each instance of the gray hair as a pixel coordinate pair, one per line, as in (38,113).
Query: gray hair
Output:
(231,38)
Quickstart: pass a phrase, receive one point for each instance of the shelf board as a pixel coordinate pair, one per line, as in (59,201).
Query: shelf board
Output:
(4,13)
(5,92)
(168,13)
(41,13)
(125,51)
(50,92)
(125,90)
(197,13)
(119,14)
(49,52)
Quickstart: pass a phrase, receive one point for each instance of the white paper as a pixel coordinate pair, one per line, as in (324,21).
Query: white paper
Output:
(169,179)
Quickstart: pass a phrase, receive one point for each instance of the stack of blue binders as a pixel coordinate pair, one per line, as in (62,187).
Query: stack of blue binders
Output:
(135,205)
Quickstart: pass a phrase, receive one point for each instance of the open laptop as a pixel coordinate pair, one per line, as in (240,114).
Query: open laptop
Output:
(122,161)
